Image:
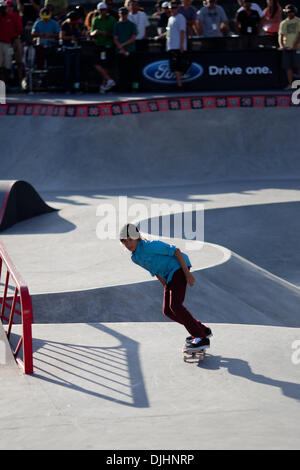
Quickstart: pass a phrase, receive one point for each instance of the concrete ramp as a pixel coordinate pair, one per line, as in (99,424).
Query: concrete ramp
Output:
(236,291)
(144,150)
(108,368)
(19,201)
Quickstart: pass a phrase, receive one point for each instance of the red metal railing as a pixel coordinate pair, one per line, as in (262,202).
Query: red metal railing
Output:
(15,300)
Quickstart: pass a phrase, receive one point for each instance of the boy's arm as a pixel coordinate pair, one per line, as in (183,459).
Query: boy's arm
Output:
(189,277)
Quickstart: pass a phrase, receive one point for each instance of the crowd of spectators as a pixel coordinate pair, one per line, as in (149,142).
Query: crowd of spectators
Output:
(120,32)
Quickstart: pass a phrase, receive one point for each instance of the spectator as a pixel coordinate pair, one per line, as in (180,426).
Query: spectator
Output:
(80,12)
(140,19)
(272,18)
(248,25)
(190,14)
(176,42)
(59,8)
(125,33)
(16,41)
(158,10)
(110,9)
(9,28)
(254,6)
(45,31)
(72,31)
(102,30)
(212,20)
(29,10)
(289,42)
(164,18)
(89,18)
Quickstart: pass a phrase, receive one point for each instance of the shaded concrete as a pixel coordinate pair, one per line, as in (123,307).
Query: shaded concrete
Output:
(149,150)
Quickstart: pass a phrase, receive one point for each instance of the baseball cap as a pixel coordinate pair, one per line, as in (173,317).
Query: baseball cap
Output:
(101,6)
(165,5)
(129,231)
(123,10)
(289,8)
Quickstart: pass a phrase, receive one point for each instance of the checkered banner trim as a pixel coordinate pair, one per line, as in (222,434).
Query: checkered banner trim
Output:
(145,106)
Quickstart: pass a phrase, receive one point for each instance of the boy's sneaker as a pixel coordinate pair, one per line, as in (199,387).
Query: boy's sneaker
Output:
(198,344)
(208,334)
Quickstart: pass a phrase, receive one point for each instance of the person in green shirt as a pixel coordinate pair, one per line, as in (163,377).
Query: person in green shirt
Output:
(102,32)
(124,37)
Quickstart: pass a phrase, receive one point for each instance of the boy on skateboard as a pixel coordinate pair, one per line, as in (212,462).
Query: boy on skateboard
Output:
(172,269)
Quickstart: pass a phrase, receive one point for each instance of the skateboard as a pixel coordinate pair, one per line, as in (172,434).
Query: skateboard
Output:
(193,356)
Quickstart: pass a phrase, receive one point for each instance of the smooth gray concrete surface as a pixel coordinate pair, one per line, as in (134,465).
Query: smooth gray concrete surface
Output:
(108,367)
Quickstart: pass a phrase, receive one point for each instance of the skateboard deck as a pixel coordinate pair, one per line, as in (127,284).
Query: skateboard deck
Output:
(193,356)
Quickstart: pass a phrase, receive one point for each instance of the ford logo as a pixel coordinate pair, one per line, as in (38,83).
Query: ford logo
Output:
(160,72)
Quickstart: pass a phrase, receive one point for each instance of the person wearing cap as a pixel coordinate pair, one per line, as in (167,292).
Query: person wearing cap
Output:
(46,32)
(163,18)
(289,43)
(9,29)
(124,38)
(172,268)
(140,19)
(102,33)
(45,29)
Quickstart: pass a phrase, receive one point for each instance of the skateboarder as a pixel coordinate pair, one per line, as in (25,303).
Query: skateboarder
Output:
(172,269)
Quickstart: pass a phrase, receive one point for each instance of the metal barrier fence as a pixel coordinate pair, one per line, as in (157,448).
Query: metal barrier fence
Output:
(16,307)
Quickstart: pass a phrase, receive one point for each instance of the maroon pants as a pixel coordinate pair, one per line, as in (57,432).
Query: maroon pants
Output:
(172,307)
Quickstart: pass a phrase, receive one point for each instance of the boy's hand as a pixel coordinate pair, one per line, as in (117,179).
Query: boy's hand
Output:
(190,279)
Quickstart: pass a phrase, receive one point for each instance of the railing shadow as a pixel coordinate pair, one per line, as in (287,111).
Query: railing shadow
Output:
(110,373)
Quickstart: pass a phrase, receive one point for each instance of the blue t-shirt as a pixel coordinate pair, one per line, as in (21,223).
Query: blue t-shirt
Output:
(158,258)
(49,27)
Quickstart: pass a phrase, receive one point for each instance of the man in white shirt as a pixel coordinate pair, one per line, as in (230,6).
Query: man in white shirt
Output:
(176,42)
(140,19)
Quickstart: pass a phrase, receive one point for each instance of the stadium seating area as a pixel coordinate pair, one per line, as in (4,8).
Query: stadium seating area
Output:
(51,77)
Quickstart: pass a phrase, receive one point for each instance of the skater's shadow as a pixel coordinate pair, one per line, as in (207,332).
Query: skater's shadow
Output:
(241,368)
